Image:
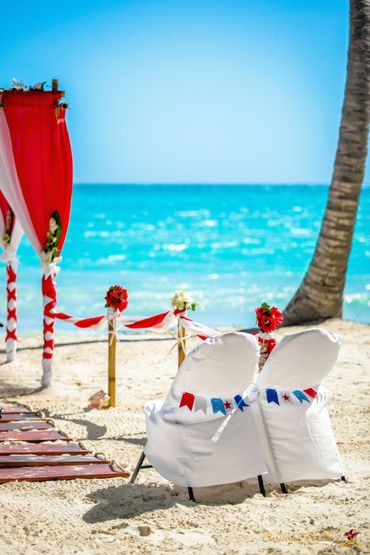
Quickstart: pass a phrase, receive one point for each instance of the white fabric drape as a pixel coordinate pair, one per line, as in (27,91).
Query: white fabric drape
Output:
(299,442)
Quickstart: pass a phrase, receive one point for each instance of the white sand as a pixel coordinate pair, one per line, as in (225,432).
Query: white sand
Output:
(152,516)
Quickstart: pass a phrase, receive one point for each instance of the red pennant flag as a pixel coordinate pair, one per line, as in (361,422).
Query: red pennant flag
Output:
(187,400)
(311,392)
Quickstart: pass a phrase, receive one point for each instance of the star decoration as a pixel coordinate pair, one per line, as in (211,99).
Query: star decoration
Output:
(227,405)
(286,397)
(351,534)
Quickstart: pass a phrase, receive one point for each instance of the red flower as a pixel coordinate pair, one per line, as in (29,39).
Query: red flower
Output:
(268,318)
(117,298)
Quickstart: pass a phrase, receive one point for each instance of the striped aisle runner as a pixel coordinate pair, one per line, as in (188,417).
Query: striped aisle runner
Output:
(35,451)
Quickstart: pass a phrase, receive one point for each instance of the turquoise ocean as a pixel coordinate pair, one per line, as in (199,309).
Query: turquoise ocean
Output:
(231,246)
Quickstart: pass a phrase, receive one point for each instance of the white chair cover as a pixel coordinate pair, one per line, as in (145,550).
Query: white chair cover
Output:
(299,441)
(195,448)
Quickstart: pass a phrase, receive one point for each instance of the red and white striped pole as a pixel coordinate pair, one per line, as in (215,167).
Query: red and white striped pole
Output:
(11,323)
(49,299)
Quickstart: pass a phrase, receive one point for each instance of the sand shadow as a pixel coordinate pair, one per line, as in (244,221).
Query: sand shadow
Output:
(128,501)
(12,390)
(132,500)
(140,441)
(297,486)
(93,431)
(133,440)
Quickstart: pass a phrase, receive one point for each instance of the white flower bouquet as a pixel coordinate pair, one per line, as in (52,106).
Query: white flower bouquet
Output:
(183,301)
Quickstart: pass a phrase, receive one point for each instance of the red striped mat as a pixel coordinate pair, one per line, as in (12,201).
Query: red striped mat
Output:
(10,461)
(34,460)
(43,473)
(43,449)
(25,426)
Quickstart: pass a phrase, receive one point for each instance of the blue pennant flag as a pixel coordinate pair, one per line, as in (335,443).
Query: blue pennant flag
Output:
(300,396)
(272,396)
(240,402)
(218,405)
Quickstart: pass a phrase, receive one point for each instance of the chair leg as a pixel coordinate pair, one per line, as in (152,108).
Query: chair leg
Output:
(191,495)
(283,488)
(138,468)
(261,485)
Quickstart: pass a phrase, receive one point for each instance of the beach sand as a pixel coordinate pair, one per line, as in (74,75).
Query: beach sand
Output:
(153,516)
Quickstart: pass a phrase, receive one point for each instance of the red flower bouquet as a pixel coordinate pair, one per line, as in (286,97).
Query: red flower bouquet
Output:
(116,298)
(268,318)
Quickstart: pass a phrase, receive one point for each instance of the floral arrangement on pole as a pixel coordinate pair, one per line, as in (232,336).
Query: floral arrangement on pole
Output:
(116,298)
(268,319)
(50,254)
(181,300)
(8,228)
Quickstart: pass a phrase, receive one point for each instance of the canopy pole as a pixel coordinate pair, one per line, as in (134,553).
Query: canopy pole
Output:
(112,342)
(181,345)
(49,299)
(11,321)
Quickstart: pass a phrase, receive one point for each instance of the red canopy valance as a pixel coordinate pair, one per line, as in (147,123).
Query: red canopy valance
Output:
(42,156)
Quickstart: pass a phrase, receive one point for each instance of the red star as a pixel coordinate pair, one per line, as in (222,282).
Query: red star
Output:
(227,405)
(351,534)
(286,397)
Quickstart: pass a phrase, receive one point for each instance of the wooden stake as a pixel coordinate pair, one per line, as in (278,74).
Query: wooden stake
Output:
(180,350)
(112,341)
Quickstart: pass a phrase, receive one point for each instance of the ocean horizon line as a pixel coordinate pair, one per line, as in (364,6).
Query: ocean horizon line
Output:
(210,184)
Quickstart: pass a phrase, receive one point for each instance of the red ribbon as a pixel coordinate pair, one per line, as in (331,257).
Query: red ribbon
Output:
(148,322)
(270,343)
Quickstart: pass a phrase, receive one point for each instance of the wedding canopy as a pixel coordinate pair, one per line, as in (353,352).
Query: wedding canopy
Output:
(10,236)
(36,179)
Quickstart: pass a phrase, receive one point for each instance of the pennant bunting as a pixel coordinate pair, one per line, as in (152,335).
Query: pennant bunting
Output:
(300,396)
(200,404)
(187,400)
(272,396)
(240,403)
(311,392)
(218,405)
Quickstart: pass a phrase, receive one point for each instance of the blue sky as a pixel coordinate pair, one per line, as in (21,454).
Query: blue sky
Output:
(218,91)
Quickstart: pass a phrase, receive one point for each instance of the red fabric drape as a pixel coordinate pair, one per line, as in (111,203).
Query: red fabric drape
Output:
(4,206)
(42,155)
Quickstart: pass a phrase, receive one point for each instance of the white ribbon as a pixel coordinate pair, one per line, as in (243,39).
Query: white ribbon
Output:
(9,256)
(49,267)
(112,316)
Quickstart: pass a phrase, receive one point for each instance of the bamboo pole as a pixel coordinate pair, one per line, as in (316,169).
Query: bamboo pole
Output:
(112,342)
(181,346)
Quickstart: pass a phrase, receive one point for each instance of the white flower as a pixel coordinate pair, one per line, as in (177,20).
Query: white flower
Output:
(18,85)
(39,86)
(182,300)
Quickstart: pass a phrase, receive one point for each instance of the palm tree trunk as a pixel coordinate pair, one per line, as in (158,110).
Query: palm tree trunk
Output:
(320,294)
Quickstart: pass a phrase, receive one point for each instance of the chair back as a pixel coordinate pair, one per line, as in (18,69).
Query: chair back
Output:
(301,360)
(221,366)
